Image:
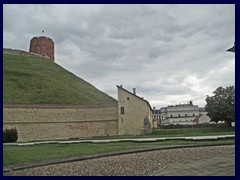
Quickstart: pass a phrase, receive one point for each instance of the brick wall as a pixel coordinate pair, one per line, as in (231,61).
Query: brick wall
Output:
(44,123)
(43,46)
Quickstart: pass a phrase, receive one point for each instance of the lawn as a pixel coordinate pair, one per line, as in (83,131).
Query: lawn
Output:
(35,80)
(158,133)
(13,155)
(195,131)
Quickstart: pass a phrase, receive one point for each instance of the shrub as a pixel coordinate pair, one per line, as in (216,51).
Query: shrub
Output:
(10,135)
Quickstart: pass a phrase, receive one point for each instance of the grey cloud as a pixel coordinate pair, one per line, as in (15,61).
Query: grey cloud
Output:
(154,48)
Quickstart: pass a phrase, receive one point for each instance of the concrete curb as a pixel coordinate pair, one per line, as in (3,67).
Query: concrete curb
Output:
(98,155)
(196,138)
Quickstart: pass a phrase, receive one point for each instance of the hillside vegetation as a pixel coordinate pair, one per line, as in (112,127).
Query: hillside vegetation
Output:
(34,80)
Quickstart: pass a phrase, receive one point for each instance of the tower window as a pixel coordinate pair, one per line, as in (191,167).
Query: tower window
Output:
(122,110)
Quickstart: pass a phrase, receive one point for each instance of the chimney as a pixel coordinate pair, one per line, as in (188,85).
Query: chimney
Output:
(121,86)
(134,91)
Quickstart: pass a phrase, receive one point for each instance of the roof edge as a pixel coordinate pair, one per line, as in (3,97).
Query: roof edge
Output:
(135,96)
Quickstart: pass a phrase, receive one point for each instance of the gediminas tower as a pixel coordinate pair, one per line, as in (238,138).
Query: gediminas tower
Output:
(42,45)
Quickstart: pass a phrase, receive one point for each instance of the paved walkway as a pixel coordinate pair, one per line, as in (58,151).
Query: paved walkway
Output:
(214,166)
(191,161)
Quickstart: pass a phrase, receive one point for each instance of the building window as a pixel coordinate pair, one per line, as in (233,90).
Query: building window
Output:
(179,115)
(127,98)
(122,110)
(193,114)
(186,115)
(171,115)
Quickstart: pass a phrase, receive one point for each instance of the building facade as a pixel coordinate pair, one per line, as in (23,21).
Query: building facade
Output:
(182,114)
(156,117)
(134,113)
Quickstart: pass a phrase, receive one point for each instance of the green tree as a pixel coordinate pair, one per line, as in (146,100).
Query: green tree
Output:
(221,106)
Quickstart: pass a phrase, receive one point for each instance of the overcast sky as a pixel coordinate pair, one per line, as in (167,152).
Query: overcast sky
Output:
(170,53)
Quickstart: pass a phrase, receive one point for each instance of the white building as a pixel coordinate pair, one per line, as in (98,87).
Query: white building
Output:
(184,114)
(157,116)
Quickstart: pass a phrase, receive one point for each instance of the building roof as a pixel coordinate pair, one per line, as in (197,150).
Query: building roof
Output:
(135,96)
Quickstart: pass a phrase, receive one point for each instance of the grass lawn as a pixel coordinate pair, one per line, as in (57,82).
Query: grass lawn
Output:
(13,155)
(35,80)
(195,131)
(158,133)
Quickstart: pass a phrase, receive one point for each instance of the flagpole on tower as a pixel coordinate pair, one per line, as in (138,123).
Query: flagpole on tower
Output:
(45,50)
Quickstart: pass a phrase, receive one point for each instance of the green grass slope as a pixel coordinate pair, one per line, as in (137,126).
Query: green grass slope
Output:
(34,80)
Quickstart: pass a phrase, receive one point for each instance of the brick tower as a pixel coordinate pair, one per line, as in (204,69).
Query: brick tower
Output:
(42,45)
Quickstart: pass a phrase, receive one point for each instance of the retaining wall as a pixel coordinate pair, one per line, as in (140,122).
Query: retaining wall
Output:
(22,53)
(44,122)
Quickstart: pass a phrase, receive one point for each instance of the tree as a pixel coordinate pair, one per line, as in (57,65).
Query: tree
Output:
(221,106)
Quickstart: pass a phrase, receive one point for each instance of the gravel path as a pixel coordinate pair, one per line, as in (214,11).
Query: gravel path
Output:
(136,164)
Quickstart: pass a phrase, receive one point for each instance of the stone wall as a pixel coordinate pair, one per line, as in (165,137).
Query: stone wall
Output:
(60,122)
(22,53)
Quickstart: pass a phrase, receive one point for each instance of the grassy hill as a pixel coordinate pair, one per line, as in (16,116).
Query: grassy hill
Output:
(34,80)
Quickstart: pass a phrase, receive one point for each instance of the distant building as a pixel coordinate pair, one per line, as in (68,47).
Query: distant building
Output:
(203,117)
(182,114)
(134,113)
(43,46)
(157,116)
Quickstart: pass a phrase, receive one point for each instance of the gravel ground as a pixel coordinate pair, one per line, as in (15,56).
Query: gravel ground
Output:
(137,164)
